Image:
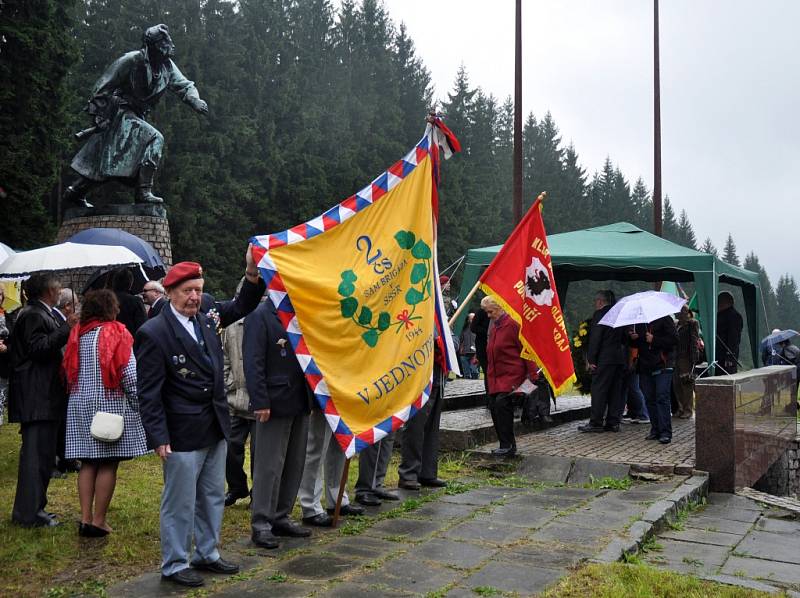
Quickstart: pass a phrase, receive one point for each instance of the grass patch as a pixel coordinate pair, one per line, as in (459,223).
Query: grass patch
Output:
(487,591)
(642,581)
(683,515)
(277,577)
(608,483)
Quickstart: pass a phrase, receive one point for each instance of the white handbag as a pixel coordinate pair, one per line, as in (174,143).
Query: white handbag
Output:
(108,427)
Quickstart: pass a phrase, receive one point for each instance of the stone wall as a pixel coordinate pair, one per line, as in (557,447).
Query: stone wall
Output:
(783,478)
(146,221)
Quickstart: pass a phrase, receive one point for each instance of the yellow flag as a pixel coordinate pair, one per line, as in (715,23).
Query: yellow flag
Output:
(356,289)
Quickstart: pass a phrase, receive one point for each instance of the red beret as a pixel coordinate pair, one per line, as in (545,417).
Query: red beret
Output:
(181,272)
(444,279)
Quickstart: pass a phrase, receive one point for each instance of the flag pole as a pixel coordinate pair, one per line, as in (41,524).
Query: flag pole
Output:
(464,303)
(342,484)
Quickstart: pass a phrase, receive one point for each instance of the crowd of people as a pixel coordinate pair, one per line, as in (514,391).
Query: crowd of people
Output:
(173,371)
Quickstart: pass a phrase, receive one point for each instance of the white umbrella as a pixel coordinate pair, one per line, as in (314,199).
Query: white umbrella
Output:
(5,251)
(66,256)
(642,308)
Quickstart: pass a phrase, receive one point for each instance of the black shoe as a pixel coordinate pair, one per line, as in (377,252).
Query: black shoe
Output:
(385,494)
(665,440)
(505,452)
(409,485)
(433,483)
(368,499)
(651,437)
(319,520)
(218,566)
(231,498)
(590,428)
(87,530)
(611,428)
(185,577)
(348,511)
(264,539)
(291,530)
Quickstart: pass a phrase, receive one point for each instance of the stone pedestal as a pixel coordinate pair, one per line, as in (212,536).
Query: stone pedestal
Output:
(146,221)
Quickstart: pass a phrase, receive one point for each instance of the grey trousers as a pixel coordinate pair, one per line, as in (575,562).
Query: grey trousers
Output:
(323,456)
(279,455)
(420,450)
(36,458)
(373,462)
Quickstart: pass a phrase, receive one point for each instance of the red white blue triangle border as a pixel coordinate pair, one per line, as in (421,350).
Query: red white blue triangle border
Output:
(351,444)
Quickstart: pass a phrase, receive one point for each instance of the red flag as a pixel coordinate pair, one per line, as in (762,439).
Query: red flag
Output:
(521,280)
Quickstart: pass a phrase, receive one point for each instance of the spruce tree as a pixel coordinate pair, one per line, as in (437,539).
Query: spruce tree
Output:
(686,236)
(752,263)
(708,247)
(670,224)
(787,303)
(729,252)
(36,52)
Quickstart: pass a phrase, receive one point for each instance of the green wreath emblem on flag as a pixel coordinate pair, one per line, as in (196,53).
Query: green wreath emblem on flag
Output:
(419,291)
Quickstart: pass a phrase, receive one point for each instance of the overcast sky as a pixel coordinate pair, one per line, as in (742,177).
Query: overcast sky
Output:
(729,100)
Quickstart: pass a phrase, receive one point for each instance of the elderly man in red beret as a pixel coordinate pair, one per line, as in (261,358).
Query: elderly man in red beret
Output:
(185,415)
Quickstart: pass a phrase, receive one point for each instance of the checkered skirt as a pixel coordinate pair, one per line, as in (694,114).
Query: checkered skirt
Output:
(89,396)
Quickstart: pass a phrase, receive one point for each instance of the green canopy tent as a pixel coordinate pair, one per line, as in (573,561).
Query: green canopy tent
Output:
(622,251)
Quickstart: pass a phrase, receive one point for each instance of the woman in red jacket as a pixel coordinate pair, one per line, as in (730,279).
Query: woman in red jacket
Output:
(506,372)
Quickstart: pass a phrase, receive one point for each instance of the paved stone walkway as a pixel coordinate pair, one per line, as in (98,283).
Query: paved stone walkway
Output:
(465,419)
(510,539)
(627,446)
(734,540)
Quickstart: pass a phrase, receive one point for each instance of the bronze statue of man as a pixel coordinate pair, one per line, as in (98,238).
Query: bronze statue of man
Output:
(123,146)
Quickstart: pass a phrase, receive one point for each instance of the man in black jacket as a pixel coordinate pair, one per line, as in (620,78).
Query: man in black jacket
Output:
(185,415)
(37,397)
(729,334)
(656,365)
(280,400)
(606,359)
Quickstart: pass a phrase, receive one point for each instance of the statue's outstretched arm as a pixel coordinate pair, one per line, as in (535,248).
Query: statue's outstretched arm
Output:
(185,89)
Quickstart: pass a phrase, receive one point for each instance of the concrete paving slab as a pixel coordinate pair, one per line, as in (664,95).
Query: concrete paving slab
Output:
(286,544)
(572,492)
(259,587)
(317,567)
(715,524)
(545,468)
(779,526)
(583,470)
(444,510)
(409,574)
(348,590)
(703,537)
(538,554)
(519,515)
(732,501)
(547,501)
(724,512)
(774,547)
(471,497)
(570,534)
(760,569)
(413,529)
(363,546)
(455,554)
(600,518)
(486,531)
(677,551)
(510,577)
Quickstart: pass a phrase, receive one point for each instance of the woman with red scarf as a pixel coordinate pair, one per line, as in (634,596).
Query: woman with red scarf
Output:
(506,372)
(101,375)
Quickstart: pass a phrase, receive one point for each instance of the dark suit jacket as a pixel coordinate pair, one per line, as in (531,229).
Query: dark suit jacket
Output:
(36,389)
(274,378)
(155,309)
(181,388)
(729,335)
(606,344)
(132,312)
